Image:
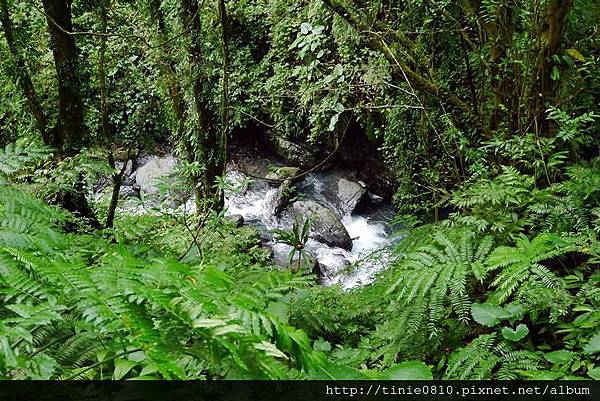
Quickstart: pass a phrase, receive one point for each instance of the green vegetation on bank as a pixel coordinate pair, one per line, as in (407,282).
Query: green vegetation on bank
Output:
(485,112)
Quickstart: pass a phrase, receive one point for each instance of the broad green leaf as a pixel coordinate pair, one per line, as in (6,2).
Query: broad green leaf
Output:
(122,367)
(595,373)
(593,345)
(515,335)
(488,315)
(322,345)
(575,54)
(334,371)
(270,349)
(411,370)
(561,356)
(338,70)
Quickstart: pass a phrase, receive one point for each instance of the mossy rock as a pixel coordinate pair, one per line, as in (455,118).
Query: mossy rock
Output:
(284,173)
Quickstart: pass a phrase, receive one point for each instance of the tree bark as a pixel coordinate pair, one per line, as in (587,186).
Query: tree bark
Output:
(69,131)
(549,37)
(225,103)
(23,76)
(68,134)
(209,149)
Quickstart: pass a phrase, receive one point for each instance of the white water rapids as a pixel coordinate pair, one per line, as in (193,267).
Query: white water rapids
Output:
(370,232)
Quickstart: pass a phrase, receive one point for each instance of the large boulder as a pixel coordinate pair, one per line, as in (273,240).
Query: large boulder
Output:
(351,195)
(299,154)
(157,169)
(325,225)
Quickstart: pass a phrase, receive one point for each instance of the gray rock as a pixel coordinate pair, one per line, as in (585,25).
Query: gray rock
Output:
(127,191)
(325,225)
(352,196)
(281,197)
(294,153)
(153,172)
(236,219)
(283,173)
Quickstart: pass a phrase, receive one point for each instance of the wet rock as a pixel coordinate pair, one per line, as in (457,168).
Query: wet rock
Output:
(236,219)
(352,196)
(294,153)
(127,191)
(281,197)
(283,173)
(149,176)
(307,265)
(325,225)
(376,200)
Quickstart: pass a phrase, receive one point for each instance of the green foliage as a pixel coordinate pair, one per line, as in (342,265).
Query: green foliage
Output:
(172,316)
(435,280)
(507,286)
(17,156)
(296,238)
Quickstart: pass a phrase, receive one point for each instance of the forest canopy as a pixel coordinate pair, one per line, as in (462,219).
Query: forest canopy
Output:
(131,130)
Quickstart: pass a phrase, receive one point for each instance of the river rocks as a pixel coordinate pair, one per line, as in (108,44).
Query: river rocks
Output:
(284,173)
(281,197)
(149,176)
(325,225)
(352,196)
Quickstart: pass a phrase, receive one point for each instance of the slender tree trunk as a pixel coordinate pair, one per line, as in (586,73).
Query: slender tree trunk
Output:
(209,149)
(168,67)
(117,177)
(23,76)
(69,130)
(225,104)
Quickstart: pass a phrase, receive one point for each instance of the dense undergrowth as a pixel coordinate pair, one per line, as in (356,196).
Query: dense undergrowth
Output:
(470,298)
(486,118)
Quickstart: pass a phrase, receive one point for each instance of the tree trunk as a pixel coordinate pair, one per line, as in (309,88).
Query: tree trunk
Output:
(209,149)
(23,77)
(168,67)
(69,130)
(549,36)
(225,103)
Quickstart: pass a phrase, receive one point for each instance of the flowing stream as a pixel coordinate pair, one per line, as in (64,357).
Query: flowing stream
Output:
(370,231)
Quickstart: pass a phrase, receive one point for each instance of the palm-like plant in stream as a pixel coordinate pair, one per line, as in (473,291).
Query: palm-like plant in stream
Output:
(296,238)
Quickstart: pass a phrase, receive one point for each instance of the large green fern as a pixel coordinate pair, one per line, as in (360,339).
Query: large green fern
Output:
(521,265)
(433,283)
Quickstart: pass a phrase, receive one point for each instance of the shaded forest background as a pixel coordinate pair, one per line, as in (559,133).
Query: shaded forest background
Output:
(479,119)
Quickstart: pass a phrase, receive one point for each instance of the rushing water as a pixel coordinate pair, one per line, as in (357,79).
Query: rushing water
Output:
(370,231)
